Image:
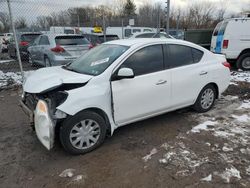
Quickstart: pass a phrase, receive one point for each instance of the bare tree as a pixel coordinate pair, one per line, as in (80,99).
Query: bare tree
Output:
(21,23)
(5,20)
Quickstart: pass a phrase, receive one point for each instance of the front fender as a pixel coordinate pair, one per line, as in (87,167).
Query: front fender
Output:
(89,96)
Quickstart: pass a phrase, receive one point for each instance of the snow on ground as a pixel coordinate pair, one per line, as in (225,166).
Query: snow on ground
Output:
(240,76)
(6,61)
(11,78)
(216,149)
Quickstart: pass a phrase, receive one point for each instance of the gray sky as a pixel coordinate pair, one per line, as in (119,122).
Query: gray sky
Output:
(30,9)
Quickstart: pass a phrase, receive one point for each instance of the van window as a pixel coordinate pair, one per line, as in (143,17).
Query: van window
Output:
(223,28)
(217,29)
(147,30)
(128,32)
(136,30)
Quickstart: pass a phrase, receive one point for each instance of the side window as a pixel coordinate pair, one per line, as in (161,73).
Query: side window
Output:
(197,55)
(128,32)
(136,30)
(146,60)
(36,41)
(179,55)
(44,40)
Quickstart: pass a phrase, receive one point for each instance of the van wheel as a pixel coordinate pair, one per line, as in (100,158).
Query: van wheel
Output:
(206,99)
(243,61)
(83,132)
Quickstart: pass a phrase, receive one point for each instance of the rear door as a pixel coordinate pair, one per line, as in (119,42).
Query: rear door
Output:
(74,45)
(220,37)
(148,92)
(189,74)
(43,46)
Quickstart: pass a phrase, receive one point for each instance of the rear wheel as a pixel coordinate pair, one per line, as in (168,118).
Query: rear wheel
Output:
(47,62)
(244,61)
(206,99)
(83,132)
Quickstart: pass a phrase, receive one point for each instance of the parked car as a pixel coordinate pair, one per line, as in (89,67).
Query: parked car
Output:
(231,37)
(96,39)
(162,35)
(118,83)
(126,32)
(57,49)
(24,41)
(4,40)
(178,34)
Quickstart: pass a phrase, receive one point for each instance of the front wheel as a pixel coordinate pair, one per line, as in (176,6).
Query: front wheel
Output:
(83,132)
(206,99)
(244,62)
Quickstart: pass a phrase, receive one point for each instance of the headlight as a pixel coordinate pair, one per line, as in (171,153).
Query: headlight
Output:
(44,125)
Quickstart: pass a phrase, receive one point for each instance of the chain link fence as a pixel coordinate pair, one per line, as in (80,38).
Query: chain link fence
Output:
(51,33)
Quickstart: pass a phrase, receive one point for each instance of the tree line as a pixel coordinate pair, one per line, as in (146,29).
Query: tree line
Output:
(198,15)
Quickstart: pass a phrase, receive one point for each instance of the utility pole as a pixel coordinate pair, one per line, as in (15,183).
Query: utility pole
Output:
(16,43)
(104,28)
(167,16)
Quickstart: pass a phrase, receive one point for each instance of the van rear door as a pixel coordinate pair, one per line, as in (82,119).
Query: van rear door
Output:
(214,37)
(220,37)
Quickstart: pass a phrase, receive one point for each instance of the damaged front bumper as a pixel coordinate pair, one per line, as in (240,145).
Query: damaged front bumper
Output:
(44,124)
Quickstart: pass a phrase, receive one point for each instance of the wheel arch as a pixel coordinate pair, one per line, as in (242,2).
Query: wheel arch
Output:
(216,88)
(244,51)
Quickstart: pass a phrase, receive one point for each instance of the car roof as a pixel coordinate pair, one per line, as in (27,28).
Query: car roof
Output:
(54,35)
(148,41)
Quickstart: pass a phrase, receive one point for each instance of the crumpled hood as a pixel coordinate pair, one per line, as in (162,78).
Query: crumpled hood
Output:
(47,78)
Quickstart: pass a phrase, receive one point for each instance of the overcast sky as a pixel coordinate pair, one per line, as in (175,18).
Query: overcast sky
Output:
(30,9)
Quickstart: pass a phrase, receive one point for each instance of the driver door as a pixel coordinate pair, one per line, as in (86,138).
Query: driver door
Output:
(146,94)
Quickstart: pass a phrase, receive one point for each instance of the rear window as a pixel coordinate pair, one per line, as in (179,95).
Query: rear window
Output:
(108,38)
(217,29)
(71,40)
(223,28)
(29,37)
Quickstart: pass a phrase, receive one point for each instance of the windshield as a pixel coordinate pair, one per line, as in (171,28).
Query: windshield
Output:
(29,37)
(98,59)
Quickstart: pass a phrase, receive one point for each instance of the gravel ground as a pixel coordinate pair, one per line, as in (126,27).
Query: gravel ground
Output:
(178,149)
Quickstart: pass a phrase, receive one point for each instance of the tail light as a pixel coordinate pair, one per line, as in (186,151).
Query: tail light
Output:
(91,46)
(226,64)
(225,44)
(23,43)
(58,49)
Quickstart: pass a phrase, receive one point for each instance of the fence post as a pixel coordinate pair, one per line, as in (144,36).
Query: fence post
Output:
(15,37)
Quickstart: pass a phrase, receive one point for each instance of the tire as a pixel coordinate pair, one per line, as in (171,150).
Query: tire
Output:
(243,61)
(47,62)
(80,124)
(206,99)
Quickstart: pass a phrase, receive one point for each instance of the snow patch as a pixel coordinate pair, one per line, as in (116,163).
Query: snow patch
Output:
(208,178)
(240,76)
(243,118)
(244,105)
(229,173)
(203,126)
(67,173)
(149,156)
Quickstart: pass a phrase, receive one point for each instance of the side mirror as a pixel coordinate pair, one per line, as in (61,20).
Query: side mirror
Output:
(125,73)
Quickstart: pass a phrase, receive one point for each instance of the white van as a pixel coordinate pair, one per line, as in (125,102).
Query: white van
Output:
(232,38)
(127,31)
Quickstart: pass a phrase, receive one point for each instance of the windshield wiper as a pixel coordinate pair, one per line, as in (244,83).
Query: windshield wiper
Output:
(67,67)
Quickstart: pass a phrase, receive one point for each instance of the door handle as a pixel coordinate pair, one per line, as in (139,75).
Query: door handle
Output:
(203,73)
(160,82)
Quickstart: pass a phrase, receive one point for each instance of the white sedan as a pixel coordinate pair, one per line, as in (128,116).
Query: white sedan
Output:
(118,83)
